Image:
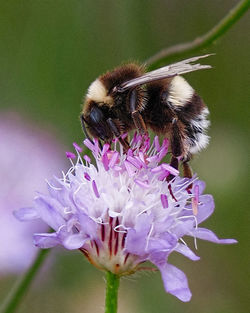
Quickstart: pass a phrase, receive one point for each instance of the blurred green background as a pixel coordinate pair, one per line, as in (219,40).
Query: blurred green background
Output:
(51,51)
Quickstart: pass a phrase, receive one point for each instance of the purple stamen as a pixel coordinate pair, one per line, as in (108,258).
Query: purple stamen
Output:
(130,152)
(157,169)
(113,159)
(89,144)
(77,147)
(143,164)
(162,153)
(86,176)
(157,144)
(105,148)
(163,175)
(134,161)
(105,161)
(196,192)
(96,147)
(171,169)
(87,158)
(165,143)
(134,139)
(195,200)
(123,136)
(93,147)
(141,156)
(70,155)
(164,201)
(146,143)
(95,189)
(153,158)
(130,168)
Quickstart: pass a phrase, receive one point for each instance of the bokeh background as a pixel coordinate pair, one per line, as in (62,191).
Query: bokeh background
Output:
(50,51)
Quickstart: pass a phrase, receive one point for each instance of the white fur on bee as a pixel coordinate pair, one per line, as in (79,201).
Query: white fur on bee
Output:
(180,92)
(202,139)
(98,93)
(201,120)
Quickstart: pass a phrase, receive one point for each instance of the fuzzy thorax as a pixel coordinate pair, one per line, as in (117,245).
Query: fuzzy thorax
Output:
(98,93)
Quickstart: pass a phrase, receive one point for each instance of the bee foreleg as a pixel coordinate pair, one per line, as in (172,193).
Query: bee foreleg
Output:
(136,116)
(175,164)
(176,142)
(176,139)
(118,134)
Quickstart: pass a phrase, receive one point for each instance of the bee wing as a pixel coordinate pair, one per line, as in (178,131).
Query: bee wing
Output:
(171,70)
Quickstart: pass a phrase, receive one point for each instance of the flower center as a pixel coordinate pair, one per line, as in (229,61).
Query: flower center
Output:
(107,252)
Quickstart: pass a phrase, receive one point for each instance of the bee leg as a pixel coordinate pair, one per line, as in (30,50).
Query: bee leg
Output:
(187,171)
(176,140)
(175,164)
(136,116)
(117,134)
(84,129)
(176,146)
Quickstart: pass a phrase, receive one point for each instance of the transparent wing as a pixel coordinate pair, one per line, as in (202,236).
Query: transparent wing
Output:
(171,70)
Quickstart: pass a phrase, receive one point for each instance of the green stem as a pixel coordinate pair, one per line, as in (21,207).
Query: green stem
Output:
(15,296)
(200,42)
(112,285)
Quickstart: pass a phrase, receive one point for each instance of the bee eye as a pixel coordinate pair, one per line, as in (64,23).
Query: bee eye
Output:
(96,115)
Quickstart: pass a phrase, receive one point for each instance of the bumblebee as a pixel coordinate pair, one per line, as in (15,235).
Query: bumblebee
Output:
(129,98)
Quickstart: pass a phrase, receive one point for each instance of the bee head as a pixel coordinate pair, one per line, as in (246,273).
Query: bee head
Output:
(96,121)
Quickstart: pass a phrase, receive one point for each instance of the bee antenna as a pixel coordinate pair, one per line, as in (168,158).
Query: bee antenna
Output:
(117,89)
(83,121)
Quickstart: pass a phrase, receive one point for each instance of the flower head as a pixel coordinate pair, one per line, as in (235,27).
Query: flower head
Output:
(123,211)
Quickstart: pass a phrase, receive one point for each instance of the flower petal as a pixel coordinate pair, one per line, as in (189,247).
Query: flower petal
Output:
(48,210)
(206,234)
(46,241)
(135,242)
(175,282)
(74,241)
(163,242)
(136,239)
(183,228)
(205,208)
(89,227)
(183,249)
(26,214)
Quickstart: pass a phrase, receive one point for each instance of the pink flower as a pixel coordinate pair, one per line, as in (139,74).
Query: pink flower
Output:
(123,211)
